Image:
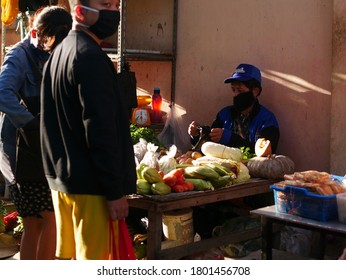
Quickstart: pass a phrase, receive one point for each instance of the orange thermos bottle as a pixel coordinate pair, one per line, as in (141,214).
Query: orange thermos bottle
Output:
(156,104)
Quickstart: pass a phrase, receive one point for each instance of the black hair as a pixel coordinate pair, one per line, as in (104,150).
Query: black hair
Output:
(53,21)
(73,3)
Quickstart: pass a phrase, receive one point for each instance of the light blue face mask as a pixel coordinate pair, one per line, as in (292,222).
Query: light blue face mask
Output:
(107,23)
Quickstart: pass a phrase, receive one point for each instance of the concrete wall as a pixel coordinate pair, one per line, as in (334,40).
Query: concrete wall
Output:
(338,112)
(290,41)
(300,46)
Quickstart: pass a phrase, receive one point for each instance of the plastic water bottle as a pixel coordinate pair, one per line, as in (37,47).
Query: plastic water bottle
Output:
(156,104)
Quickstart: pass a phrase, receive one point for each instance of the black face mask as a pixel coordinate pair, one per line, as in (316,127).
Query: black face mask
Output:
(243,100)
(107,24)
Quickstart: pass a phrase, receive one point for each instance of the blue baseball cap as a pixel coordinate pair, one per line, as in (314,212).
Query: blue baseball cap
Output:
(245,72)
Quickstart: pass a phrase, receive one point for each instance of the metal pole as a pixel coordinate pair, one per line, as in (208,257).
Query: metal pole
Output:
(21,25)
(174,49)
(121,36)
(3,41)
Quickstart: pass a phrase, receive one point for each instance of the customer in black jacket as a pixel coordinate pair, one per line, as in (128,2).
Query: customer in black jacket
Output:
(86,143)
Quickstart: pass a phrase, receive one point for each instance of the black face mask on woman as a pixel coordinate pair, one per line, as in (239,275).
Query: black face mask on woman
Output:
(243,100)
(107,23)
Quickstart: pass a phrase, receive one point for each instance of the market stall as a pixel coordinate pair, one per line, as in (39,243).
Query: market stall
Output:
(156,205)
(270,216)
(168,181)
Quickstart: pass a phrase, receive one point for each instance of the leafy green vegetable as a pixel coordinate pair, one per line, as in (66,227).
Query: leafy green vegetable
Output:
(2,214)
(2,208)
(143,132)
(19,229)
(246,153)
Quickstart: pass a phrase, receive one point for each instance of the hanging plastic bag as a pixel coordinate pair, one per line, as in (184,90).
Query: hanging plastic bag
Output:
(168,162)
(120,241)
(296,240)
(172,133)
(9,11)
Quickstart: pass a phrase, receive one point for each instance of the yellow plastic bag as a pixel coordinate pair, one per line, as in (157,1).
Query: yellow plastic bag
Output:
(9,11)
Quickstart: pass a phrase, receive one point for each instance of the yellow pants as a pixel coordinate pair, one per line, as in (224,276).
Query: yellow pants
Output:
(82,226)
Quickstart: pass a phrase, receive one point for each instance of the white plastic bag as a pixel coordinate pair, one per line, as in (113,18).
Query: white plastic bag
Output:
(168,162)
(140,149)
(151,156)
(172,133)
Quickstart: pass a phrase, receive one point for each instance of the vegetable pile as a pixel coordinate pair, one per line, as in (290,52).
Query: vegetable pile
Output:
(219,166)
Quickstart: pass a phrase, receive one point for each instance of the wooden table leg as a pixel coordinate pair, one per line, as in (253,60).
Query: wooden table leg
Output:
(154,234)
(322,246)
(267,228)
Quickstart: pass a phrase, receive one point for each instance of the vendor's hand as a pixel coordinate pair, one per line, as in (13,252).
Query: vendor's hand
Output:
(216,134)
(118,209)
(193,129)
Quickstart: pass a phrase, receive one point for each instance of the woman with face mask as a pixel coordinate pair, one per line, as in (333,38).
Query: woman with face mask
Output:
(86,143)
(21,165)
(241,124)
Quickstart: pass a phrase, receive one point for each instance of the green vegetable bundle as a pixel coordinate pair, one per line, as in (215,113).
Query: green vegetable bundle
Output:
(143,132)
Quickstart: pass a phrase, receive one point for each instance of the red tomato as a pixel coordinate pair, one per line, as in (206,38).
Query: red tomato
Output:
(180,179)
(188,186)
(178,188)
(170,180)
(177,172)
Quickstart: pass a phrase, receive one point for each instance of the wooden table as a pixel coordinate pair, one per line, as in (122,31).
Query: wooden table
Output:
(156,205)
(269,216)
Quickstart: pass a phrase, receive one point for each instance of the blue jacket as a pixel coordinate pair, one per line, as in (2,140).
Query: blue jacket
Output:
(17,82)
(262,124)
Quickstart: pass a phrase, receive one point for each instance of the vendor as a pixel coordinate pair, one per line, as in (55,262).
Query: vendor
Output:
(241,124)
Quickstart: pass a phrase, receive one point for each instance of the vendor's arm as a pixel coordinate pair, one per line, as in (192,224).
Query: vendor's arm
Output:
(230,139)
(221,132)
(194,132)
(264,126)
(12,78)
